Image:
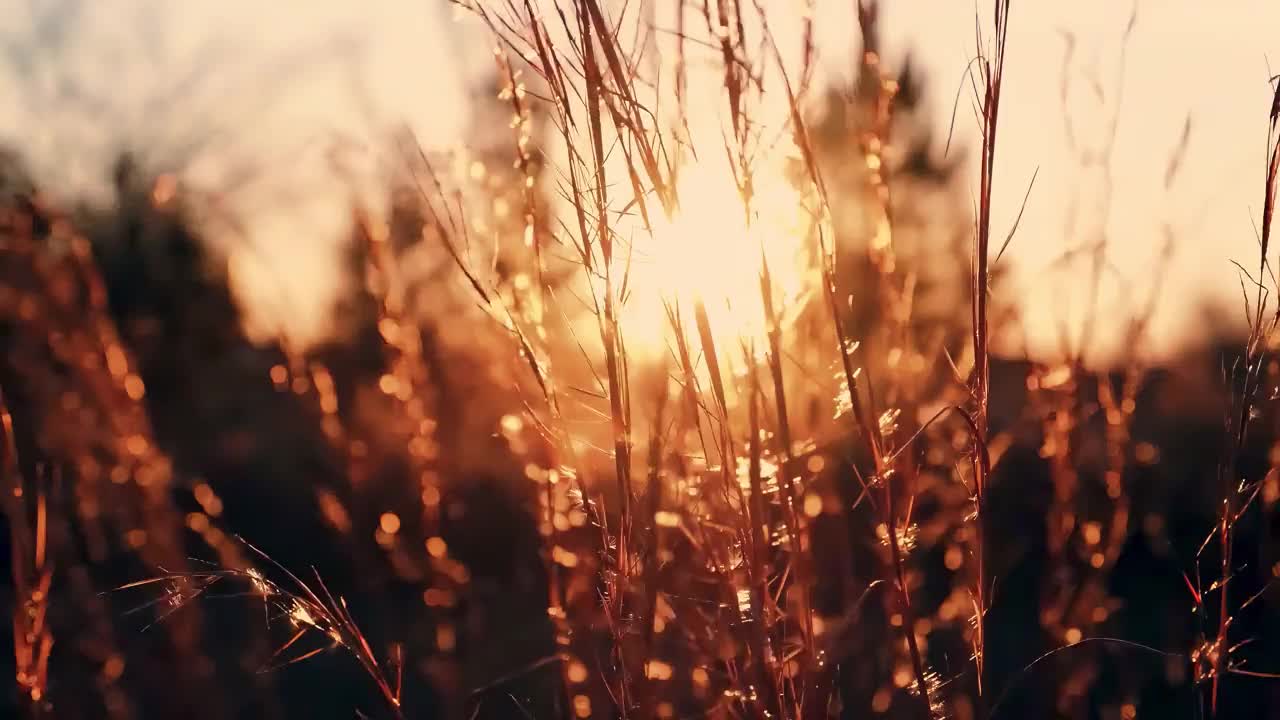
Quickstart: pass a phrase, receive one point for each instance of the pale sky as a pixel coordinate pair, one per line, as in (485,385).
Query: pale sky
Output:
(298,90)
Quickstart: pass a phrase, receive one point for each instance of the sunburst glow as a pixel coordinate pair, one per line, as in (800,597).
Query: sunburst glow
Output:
(712,250)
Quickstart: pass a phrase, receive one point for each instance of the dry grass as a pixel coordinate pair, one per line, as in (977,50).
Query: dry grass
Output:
(796,501)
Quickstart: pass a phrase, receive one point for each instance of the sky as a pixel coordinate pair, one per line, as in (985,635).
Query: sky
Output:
(303,98)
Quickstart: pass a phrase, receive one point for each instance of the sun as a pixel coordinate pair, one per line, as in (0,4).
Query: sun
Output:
(712,251)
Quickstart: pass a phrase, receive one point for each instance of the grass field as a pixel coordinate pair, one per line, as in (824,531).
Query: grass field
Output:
(685,392)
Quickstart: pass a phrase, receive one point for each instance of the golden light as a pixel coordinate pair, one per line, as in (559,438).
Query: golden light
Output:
(711,250)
